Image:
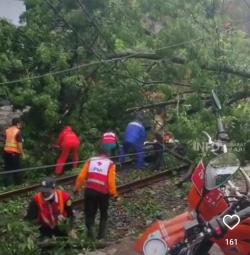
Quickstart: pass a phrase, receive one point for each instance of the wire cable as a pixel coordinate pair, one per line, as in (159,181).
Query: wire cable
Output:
(58,13)
(70,163)
(103,61)
(55,72)
(64,70)
(80,66)
(95,24)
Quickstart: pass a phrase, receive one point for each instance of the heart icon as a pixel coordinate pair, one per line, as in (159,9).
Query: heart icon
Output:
(228,220)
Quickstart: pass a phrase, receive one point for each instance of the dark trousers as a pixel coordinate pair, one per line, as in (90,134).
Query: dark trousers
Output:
(94,200)
(111,149)
(154,155)
(134,148)
(11,162)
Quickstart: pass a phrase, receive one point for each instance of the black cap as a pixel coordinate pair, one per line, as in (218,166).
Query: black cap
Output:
(48,184)
(139,117)
(15,121)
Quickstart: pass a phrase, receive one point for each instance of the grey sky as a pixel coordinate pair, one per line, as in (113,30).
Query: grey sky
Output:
(11,10)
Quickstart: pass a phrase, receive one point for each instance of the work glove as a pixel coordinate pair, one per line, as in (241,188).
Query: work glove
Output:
(118,200)
(73,234)
(61,218)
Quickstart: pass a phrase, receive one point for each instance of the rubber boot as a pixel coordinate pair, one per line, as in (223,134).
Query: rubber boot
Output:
(102,230)
(91,233)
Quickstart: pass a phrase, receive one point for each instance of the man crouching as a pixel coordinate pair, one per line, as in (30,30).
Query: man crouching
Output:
(51,208)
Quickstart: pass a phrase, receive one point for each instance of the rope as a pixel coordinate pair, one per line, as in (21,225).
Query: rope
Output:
(68,163)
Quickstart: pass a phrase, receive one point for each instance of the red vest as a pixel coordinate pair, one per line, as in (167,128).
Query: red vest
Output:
(49,212)
(98,174)
(109,138)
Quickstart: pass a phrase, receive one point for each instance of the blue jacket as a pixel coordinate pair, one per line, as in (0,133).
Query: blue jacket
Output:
(135,133)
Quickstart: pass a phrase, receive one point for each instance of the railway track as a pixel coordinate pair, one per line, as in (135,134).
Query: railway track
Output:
(140,183)
(132,186)
(25,190)
(69,179)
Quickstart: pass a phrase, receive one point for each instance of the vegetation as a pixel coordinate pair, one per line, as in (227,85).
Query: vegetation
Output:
(180,49)
(84,63)
(18,237)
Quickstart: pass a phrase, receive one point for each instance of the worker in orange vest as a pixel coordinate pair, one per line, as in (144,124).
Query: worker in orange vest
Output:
(13,151)
(68,142)
(49,208)
(99,173)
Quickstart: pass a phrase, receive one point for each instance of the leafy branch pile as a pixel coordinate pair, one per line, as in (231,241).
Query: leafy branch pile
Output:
(182,49)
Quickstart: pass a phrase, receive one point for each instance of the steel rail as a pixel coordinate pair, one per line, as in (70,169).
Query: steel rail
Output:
(67,179)
(33,187)
(24,190)
(140,183)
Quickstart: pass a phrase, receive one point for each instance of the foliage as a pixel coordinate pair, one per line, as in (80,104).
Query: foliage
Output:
(61,34)
(180,48)
(65,245)
(18,237)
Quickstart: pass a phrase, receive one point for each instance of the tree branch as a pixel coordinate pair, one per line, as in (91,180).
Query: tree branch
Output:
(238,96)
(176,60)
(234,98)
(169,102)
(182,84)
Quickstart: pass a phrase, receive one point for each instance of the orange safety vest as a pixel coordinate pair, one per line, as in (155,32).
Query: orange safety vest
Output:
(98,174)
(10,142)
(48,213)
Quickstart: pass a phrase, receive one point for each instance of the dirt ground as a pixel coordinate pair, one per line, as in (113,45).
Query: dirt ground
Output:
(125,247)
